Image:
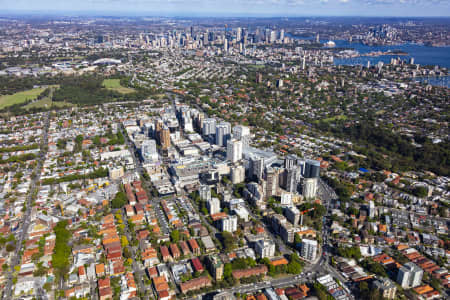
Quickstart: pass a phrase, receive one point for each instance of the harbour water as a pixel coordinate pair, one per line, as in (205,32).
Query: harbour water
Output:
(423,55)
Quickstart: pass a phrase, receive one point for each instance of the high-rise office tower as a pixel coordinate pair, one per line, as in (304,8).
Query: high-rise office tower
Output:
(256,167)
(234,150)
(223,133)
(209,126)
(213,206)
(309,249)
(225,45)
(164,137)
(242,133)
(291,180)
(229,223)
(237,174)
(238,34)
(290,161)
(409,275)
(271,182)
(148,151)
(371,209)
(273,36)
(312,168)
(309,188)
(205,192)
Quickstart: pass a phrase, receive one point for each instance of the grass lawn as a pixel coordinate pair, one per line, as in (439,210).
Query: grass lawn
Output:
(256,66)
(340,117)
(114,84)
(47,102)
(20,97)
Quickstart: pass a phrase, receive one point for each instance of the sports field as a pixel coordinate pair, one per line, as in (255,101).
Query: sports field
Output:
(47,102)
(20,97)
(114,84)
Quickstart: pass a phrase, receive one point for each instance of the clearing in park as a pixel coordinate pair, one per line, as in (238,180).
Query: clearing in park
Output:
(114,84)
(19,97)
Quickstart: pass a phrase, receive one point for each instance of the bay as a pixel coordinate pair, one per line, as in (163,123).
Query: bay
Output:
(423,55)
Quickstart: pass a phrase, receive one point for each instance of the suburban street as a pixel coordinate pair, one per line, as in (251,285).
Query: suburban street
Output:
(155,201)
(7,291)
(137,267)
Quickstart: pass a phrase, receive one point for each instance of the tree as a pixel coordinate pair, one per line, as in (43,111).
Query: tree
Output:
(10,247)
(62,250)
(119,200)
(295,265)
(123,241)
(364,289)
(350,252)
(297,240)
(228,241)
(227,270)
(435,284)
(175,236)
(420,191)
(126,252)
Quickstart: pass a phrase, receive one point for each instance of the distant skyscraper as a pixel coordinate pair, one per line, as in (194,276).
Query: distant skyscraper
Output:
(234,150)
(238,34)
(267,35)
(225,45)
(282,35)
(273,36)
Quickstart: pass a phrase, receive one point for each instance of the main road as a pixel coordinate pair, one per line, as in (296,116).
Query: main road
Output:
(140,169)
(25,223)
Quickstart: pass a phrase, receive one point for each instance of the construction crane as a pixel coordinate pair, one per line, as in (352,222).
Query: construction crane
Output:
(304,212)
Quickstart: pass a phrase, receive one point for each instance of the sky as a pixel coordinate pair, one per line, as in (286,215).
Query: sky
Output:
(398,8)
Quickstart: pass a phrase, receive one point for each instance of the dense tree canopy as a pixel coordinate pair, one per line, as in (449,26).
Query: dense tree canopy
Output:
(388,150)
(119,200)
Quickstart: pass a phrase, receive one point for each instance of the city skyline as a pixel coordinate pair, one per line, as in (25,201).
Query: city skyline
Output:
(216,8)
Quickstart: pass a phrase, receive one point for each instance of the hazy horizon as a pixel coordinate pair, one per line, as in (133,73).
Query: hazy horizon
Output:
(233,8)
